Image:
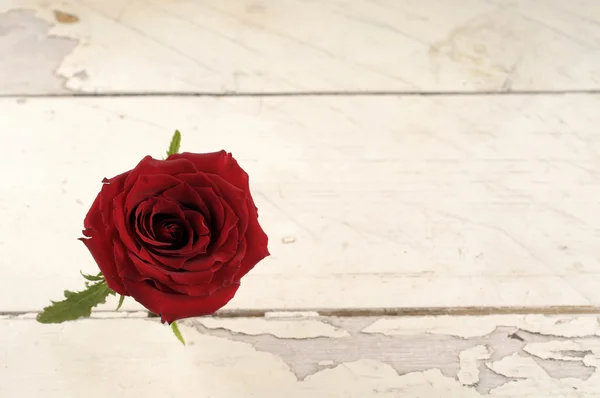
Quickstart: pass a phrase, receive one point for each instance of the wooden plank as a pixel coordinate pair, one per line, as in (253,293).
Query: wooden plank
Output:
(304,355)
(368,202)
(298,46)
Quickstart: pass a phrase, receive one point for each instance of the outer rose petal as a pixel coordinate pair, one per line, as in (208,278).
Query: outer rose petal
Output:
(220,163)
(235,198)
(137,269)
(124,264)
(101,251)
(101,247)
(172,307)
(111,188)
(151,166)
(257,243)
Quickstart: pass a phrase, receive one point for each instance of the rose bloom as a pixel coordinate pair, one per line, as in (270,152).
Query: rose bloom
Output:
(178,234)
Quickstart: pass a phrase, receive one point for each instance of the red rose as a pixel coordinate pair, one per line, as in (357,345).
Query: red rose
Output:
(178,234)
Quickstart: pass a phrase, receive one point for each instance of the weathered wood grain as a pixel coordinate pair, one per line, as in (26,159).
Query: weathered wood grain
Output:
(298,45)
(511,357)
(369,202)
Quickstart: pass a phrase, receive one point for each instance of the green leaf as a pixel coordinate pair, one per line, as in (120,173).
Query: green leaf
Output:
(120,302)
(176,332)
(175,143)
(76,304)
(93,278)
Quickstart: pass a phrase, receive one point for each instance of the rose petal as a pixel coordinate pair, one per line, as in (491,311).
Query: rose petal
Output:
(144,225)
(201,263)
(141,270)
(199,290)
(172,307)
(228,273)
(110,189)
(124,264)
(201,231)
(147,270)
(222,231)
(229,247)
(151,166)
(235,198)
(166,212)
(166,207)
(181,244)
(100,247)
(199,180)
(186,196)
(221,249)
(221,163)
(232,199)
(209,193)
(227,190)
(257,243)
(194,277)
(126,202)
(148,186)
(215,214)
(161,286)
(101,252)
(172,261)
(121,223)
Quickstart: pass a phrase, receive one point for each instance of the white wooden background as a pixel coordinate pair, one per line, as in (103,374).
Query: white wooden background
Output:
(407,158)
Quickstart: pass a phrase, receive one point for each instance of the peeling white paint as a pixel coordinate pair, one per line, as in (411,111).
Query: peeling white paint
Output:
(366,378)
(291,314)
(518,366)
(468,326)
(548,387)
(468,374)
(239,46)
(289,329)
(555,350)
(141,356)
(591,361)
(328,362)
(565,326)
(34,54)
(593,345)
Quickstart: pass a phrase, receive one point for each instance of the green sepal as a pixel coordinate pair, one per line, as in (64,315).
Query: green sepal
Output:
(176,332)
(175,144)
(76,304)
(93,278)
(121,299)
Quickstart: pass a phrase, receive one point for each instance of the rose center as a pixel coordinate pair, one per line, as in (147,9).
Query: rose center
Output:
(170,231)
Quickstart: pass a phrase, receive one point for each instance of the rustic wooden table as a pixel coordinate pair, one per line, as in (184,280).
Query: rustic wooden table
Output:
(428,173)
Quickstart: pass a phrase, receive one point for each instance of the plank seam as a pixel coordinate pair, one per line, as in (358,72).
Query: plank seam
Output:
(133,94)
(372,312)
